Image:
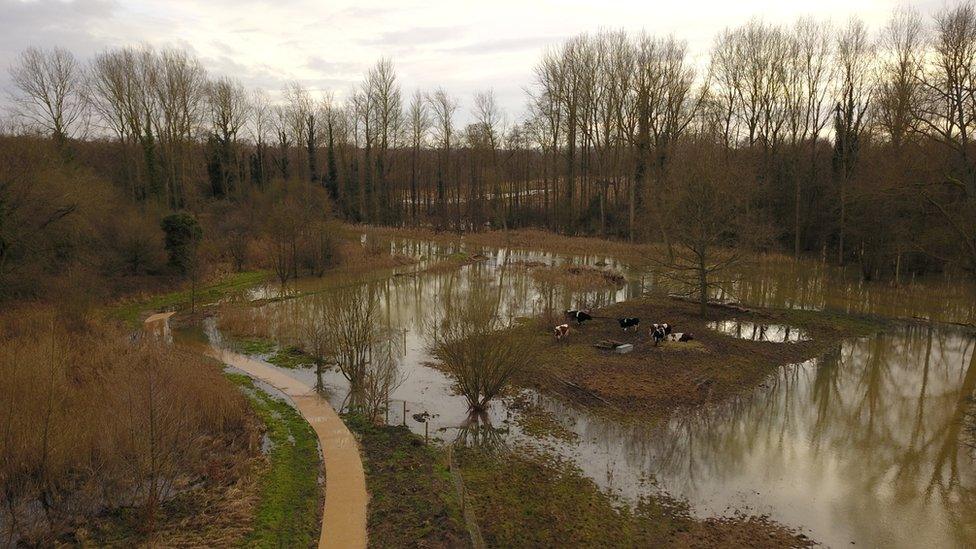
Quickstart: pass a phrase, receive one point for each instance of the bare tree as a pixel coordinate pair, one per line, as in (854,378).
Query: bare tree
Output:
(418,120)
(477,346)
(854,60)
(384,92)
(443,107)
(947,114)
(260,125)
(230,109)
(488,118)
(51,92)
(899,90)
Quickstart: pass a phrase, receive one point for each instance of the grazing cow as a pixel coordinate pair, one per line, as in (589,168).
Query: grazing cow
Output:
(665,327)
(629,322)
(657,334)
(561,331)
(679,336)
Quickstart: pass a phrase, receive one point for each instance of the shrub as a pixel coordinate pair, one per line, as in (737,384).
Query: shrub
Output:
(183,235)
(90,420)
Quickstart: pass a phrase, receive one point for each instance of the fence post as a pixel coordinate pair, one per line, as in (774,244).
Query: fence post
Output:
(426,428)
(404,413)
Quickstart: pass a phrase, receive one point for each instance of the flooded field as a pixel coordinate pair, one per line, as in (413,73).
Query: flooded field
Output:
(865,445)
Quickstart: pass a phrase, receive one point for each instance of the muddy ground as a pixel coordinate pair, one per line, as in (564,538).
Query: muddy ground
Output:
(653,381)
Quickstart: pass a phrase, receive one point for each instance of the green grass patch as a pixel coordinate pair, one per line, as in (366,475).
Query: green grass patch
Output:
(288,512)
(255,345)
(523,498)
(130,312)
(412,500)
(291,357)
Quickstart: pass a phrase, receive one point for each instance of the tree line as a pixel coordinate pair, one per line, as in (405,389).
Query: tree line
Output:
(809,138)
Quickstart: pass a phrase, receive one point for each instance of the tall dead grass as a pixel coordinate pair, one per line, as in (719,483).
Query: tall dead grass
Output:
(94,419)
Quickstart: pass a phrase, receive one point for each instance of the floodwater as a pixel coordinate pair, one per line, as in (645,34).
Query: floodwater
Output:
(868,444)
(743,329)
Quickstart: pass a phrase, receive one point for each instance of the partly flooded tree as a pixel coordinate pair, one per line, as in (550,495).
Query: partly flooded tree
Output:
(478,346)
(347,331)
(708,222)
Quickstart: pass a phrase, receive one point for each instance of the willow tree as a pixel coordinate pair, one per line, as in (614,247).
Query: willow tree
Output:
(478,346)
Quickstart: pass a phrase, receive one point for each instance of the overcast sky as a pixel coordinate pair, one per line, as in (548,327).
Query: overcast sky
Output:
(463,46)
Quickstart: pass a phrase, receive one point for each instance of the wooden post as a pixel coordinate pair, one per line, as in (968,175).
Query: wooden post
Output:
(426,428)
(404,413)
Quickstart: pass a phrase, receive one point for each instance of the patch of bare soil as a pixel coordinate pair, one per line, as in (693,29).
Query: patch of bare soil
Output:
(652,381)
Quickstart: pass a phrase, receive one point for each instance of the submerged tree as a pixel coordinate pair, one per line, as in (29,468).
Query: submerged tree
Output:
(478,347)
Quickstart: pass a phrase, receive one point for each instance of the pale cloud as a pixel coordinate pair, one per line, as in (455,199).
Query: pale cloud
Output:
(463,46)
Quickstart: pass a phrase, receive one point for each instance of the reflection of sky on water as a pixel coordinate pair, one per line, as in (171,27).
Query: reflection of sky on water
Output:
(862,445)
(777,333)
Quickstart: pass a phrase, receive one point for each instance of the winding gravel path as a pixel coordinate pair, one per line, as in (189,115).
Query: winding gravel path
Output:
(344,513)
(344,516)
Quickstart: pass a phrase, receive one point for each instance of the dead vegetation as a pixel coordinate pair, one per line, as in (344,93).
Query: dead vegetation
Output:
(92,421)
(577,278)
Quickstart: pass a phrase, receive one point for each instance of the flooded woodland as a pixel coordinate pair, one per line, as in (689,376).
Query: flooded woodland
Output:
(868,443)
(631,289)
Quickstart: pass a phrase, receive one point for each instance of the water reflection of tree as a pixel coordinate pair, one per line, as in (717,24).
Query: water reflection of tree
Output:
(345,328)
(477,432)
(887,412)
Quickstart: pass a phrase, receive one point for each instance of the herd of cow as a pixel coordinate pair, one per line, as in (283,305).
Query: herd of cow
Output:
(658,332)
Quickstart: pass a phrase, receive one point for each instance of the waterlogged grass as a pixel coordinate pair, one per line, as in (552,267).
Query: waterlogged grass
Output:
(291,357)
(129,312)
(527,499)
(412,500)
(256,346)
(287,514)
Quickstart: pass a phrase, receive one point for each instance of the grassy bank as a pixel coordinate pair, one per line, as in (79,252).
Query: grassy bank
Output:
(412,501)
(130,311)
(526,499)
(289,494)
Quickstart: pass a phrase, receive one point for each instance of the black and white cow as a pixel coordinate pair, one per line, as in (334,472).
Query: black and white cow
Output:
(579,316)
(664,326)
(679,336)
(561,331)
(660,332)
(627,323)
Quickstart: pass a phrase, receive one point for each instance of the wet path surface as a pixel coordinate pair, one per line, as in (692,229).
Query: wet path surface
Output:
(344,515)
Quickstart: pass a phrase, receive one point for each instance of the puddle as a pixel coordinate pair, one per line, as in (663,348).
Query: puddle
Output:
(777,333)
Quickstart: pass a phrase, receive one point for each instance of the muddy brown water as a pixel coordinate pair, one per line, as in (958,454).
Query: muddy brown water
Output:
(867,444)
